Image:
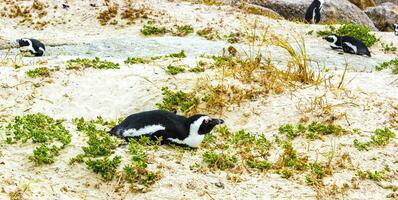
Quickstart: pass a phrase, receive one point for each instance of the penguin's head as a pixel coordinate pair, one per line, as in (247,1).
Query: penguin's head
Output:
(202,124)
(331,38)
(23,42)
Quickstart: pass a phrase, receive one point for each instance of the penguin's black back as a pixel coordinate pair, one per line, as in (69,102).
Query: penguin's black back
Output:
(37,44)
(315,6)
(175,125)
(362,49)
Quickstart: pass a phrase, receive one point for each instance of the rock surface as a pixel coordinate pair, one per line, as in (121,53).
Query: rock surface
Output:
(362,4)
(340,10)
(384,15)
(378,2)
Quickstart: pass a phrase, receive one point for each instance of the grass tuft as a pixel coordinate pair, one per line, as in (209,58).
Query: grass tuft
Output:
(178,101)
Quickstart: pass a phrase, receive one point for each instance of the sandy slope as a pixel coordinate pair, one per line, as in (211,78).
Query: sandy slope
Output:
(366,101)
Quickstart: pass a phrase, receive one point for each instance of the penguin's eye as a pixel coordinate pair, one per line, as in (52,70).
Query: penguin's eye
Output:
(206,121)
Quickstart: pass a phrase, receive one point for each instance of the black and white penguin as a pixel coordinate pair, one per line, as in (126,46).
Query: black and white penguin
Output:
(395,26)
(34,46)
(171,127)
(313,14)
(348,44)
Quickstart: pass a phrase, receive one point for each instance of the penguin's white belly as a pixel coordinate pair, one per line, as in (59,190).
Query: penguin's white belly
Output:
(143,131)
(353,47)
(192,140)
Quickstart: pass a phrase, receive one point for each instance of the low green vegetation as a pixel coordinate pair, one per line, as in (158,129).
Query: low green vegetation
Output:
(233,38)
(219,161)
(150,29)
(374,176)
(178,101)
(96,63)
(392,64)
(137,172)
(105,166)
(388,48)
(174,70)
(354,30)
(140,60)
(183,30)
(137,60)
(197,69)
(38,72)
(380,138)
(41,129)
(208,33)
(314,130)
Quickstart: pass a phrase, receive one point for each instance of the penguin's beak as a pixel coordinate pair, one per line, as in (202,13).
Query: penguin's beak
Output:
(217,121)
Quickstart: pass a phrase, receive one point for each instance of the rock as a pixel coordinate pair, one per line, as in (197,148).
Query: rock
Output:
(255,9)
(341,10)
(384,15)
(362,4)
(378,2)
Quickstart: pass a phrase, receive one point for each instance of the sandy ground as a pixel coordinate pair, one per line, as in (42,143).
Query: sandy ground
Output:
(366,101)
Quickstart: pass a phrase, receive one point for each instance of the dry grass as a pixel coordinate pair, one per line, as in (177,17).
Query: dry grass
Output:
(30,16)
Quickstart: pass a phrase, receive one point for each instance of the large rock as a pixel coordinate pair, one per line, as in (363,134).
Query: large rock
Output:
(378,2)
(384,15)
(362,4)
(341,10)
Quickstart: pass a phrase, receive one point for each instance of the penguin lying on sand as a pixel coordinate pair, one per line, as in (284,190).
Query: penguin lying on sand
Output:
(313,14)
(34,46)
(395,26)
(348,44)
(172,128)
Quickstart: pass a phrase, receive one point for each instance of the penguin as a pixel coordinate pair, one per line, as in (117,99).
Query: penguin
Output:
(173,128)
(348,44)
(34,46)
(313,13)
(395,26)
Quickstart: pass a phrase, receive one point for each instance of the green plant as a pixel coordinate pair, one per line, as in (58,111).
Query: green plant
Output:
(219,161)
(358,31)
(312,131)
(382,137)
(173,70)
(150,29)
(99,143)
(288,129)
(387,48)
(183,30)
(393,64)
(105,167)
(180,54)
(177,101)
(38,72)
(44,155)
(96,63)
(136,60)
(233,38)
(42,129)
(260,165)
(208,33)
(137,173)
(362,146)
(197,69)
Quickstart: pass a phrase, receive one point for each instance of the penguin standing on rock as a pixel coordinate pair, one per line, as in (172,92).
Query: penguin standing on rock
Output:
(395,26)
(313,14)
(34,46)
(348,44)
(172,128)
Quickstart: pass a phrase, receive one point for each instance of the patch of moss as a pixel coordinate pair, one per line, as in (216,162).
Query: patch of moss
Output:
(354,30)
(96,63)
